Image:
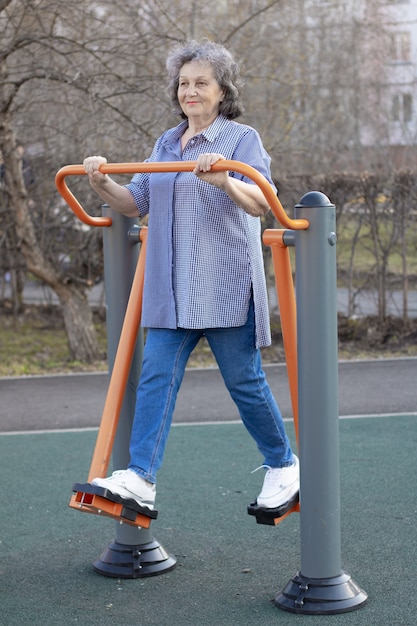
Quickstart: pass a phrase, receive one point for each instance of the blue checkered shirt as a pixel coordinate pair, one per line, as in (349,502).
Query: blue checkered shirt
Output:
(204,256)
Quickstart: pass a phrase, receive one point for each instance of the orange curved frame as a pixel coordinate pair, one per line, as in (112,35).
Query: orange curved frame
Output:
(172,166)
(117,385)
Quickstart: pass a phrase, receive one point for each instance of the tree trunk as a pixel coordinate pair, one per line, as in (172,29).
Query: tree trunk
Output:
(78,319)
(15,268)
(77,313)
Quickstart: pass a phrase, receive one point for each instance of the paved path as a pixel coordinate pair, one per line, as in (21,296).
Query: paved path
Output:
(384,386)
(366,302)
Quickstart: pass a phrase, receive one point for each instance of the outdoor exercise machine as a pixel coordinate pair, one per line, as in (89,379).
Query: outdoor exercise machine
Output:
(310,342)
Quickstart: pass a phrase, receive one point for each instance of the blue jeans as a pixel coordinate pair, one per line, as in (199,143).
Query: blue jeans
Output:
(165,357)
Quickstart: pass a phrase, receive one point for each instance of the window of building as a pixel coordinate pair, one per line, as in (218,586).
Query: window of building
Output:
(400,47)
(407,107)
(402,107)
(395,108)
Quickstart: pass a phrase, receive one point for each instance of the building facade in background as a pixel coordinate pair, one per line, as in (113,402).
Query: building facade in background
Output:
(401,73)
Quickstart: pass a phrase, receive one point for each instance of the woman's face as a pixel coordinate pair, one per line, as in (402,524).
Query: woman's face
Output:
(199,93)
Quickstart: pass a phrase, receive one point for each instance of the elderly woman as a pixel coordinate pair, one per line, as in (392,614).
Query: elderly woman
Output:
(204,271)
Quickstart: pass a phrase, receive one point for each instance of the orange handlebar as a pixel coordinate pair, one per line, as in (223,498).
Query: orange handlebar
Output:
(171,166)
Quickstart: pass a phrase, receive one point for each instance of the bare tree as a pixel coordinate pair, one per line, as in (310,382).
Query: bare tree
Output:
(404,196)
(25,58)
(67,87)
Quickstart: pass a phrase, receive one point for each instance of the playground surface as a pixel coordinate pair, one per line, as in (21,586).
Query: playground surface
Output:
(229,568)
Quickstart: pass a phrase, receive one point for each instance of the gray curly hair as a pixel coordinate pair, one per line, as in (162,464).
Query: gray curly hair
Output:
(226,72)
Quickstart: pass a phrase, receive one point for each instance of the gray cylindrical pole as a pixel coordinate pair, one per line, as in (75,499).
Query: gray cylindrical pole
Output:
(120,259)
(134,552)
(321,586)
(318,384)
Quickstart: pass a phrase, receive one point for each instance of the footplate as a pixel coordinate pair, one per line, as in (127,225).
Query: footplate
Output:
(100,501)
(272,517)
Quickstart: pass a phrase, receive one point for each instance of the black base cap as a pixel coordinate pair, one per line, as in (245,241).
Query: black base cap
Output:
(317,596)
(134,561)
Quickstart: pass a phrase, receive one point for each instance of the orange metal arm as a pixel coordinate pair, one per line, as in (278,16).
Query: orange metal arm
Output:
(171,166)
(120,371)
(287,308)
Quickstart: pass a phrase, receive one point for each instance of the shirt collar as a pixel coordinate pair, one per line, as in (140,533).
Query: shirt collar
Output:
(210,133)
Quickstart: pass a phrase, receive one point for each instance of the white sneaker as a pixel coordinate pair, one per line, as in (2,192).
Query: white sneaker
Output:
(280,485)
(128,484)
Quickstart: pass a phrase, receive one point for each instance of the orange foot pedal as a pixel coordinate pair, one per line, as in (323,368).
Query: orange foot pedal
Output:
(100,501)
(272,517)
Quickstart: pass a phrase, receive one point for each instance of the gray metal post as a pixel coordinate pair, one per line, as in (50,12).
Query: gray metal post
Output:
(321,586)
(134,553)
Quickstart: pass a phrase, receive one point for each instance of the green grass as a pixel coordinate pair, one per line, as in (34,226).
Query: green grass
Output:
(364,265)
(33,344)
(364,258)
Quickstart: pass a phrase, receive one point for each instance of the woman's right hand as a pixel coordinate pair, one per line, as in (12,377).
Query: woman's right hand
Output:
(91,165)
(117,196)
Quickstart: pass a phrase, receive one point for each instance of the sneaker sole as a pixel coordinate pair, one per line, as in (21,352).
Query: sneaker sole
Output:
(129,503)
(269,516)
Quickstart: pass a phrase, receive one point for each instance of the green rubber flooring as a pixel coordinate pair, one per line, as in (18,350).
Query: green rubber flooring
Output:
(229,568)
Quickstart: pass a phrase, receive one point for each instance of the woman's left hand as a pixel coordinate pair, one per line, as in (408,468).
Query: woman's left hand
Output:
(203,169)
